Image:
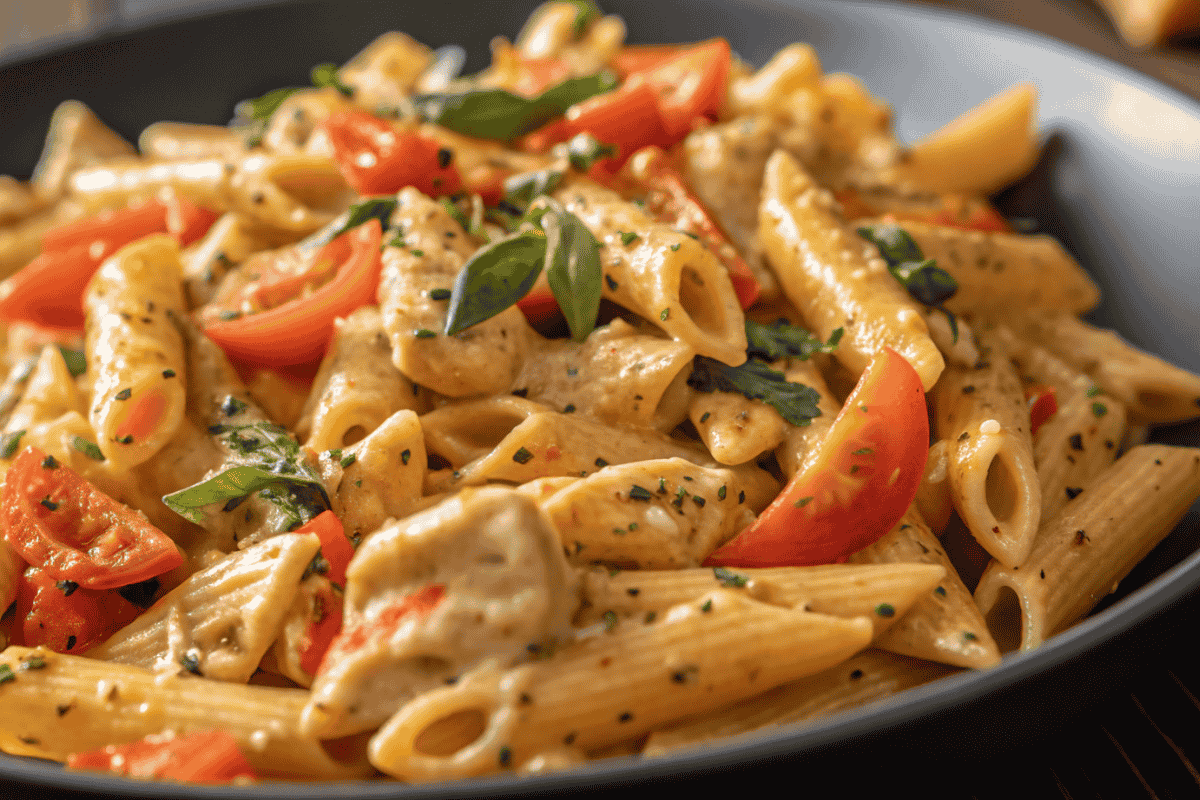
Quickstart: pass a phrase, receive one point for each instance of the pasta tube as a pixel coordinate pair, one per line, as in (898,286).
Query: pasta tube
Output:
(661,274)
(73,704)
(700,656)
(1090,545)
(834,279)
(135,351)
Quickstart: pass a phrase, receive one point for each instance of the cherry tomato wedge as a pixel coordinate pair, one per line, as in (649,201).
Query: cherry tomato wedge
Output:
(66,618)
(641,57)
(336,548)
(298,331)
(49,290)
(690,84)
(1043,404)
(376,157)
(56,520)
(325,623)
(627,117)
(864,479)
(201,757)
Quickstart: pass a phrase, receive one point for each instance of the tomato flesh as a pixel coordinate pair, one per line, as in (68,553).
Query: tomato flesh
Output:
(64,617)
(56,520)
(201,757)
(375,157)
(860,485)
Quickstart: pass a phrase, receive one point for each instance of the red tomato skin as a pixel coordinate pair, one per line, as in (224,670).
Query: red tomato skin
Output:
(322,629)
(849,498)
(201,757)
(299,330)
(375,157)
(56,520)
(67,623)
(1043,404)
(336,547)
(670,200)
(690,84)
(627,117)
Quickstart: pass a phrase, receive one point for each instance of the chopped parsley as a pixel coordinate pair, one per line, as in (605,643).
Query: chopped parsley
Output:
(522,456)
(89,449)
(9,443)
(729,578)
(639,493)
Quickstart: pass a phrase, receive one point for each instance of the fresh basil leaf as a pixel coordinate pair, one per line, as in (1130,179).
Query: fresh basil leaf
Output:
(76,361)
(795,402)
(572,268)
(520,190)
(583,150)
(500,114)
(380,208)
(921,277)
(261,108)
(495,278)
(894,243)
(324,75)
(926,282)
(586,12)
(233,483)
(781,339)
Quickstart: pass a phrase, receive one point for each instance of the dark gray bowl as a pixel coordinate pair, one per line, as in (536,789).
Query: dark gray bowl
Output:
(1119,184)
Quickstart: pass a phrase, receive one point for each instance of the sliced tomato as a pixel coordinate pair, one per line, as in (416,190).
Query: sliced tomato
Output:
(113,229)
(201,757)
(299,330)
(668,199)
(384,625)
(864,479)
(641,57)
(336,547)
(376,157)
(325,623)
(690,84)
(56,520)
(1043,404)
(626,117)
(49,290)
(65,617)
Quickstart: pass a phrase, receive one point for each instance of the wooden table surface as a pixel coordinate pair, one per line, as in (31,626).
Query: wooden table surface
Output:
(1143,739)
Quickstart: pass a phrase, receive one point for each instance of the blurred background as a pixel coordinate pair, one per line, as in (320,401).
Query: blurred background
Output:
(26,25)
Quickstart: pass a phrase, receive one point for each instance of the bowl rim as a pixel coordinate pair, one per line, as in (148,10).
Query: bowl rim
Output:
(881,717)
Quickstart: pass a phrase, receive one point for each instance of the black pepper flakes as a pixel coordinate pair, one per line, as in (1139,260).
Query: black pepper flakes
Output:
(1073,492)
(444,156)
(1076,441)
(626,716)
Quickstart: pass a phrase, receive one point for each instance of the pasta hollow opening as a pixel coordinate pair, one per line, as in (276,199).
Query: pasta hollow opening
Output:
(1001,489)
(1004,619)
(454,732)
(699,302)
(354,434)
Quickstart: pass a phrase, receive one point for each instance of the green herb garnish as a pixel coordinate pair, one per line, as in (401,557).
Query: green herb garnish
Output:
(502,115)
(89,449)
(781,338)
(729,578)
(756,380)
(572,268)
(76,361)
(9,443)
(326,75)
(925,281)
